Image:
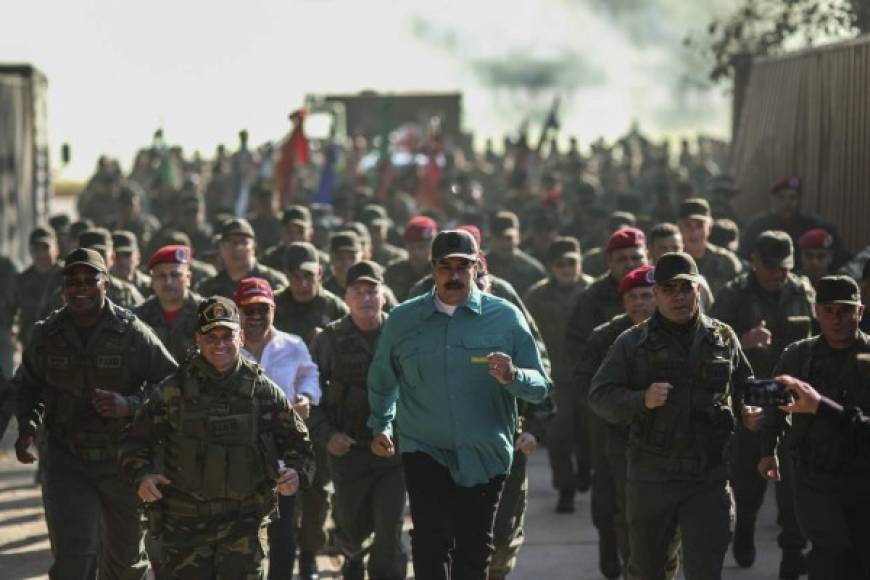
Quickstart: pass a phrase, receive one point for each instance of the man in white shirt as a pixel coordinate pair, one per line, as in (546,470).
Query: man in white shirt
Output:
(285,359)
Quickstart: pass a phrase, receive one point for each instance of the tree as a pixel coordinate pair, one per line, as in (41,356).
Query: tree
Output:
(768,27)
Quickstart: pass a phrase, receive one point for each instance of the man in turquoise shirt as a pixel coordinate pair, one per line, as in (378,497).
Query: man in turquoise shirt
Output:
(449,367)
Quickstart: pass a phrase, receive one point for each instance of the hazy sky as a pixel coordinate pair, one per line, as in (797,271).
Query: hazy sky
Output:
(203,70)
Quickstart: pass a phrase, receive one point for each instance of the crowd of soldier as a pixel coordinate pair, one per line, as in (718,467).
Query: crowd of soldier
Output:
(313,263)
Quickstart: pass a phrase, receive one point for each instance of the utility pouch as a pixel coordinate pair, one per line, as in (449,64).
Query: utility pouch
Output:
(240,473)
(215,472)
(660,426)
(188,465)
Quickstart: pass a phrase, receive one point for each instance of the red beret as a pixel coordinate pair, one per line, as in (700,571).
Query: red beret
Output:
(170,255)
(626,238)
(253,291)
(642,276)
(816,238)
(420,228)
(786,182)
(473,230)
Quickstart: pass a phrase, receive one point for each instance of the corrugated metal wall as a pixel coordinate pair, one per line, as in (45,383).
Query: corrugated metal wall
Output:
(808,114)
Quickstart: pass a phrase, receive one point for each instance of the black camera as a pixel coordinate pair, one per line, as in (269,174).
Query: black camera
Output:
(766,393)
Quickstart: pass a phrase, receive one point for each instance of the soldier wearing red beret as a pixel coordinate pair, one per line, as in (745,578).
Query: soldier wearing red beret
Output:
(417,237)
(817,254)
(785,215)
(171,311)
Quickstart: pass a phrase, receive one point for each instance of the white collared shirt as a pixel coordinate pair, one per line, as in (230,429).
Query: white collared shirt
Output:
(286,361)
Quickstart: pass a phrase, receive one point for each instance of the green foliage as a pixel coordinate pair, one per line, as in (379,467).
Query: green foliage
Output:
(768,27)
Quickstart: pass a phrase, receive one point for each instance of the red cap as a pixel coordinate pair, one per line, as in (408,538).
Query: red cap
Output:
(626,238)
(170,255)
(420,228)
(254,291)
(786,182)
(816,238)
(642,276)
(473,230)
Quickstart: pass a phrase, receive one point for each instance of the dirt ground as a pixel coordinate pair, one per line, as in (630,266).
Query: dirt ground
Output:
(557,546)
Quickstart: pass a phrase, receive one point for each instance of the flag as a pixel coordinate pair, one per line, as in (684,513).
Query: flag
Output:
(327,177)
(295,151)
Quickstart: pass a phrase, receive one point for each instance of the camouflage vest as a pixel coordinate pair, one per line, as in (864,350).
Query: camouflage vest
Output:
(347,402)
(72,373)
(819,445)
(219,445)
(689,433)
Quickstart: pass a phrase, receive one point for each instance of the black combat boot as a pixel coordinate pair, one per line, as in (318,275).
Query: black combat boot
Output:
(353,569)
(308,566)
(744,543)
(608,554)
(565,504)
(793,564)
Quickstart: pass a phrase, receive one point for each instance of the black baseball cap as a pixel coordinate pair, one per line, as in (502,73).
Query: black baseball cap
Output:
(297,214)
(125,241)
(504,221)
(676,266)
(838,290)
(454,244)
(775,249)
(217,311)
(365,271)
(84,257)
(695,208)
(562,247)
(301,256)
(237,226)
(96,238)
(42,235)
(345,240)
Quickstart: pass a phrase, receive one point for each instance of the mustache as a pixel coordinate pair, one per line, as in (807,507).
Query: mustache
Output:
(454,285)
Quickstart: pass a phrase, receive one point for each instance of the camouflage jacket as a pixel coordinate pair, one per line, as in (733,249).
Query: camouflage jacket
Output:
(742,304)
(686,437)
(59,373)
(304,319)
(216,437)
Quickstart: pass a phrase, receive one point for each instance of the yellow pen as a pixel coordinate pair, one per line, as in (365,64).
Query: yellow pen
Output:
(479,360)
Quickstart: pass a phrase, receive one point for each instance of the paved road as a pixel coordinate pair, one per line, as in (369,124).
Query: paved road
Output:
(557,546)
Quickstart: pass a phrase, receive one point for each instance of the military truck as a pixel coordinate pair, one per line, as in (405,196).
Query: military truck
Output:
(25,176)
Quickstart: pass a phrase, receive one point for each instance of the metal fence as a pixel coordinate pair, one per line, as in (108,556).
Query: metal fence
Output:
(808,114)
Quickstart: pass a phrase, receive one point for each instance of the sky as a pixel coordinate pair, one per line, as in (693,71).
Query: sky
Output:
(204,70)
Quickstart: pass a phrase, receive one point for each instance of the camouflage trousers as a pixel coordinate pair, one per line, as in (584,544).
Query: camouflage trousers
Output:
(229,548)
(508,535)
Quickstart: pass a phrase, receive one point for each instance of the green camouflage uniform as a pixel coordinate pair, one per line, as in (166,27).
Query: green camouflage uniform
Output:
(142,282)
(29,290)
(180,338)
(550,305)
(219,440)
(831,468)
(305,319)
(388,253)
(369,490)
(83,491)
(223,285)
(677,476)
(610,442)
(401,277)
(521,270)
(788,314)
